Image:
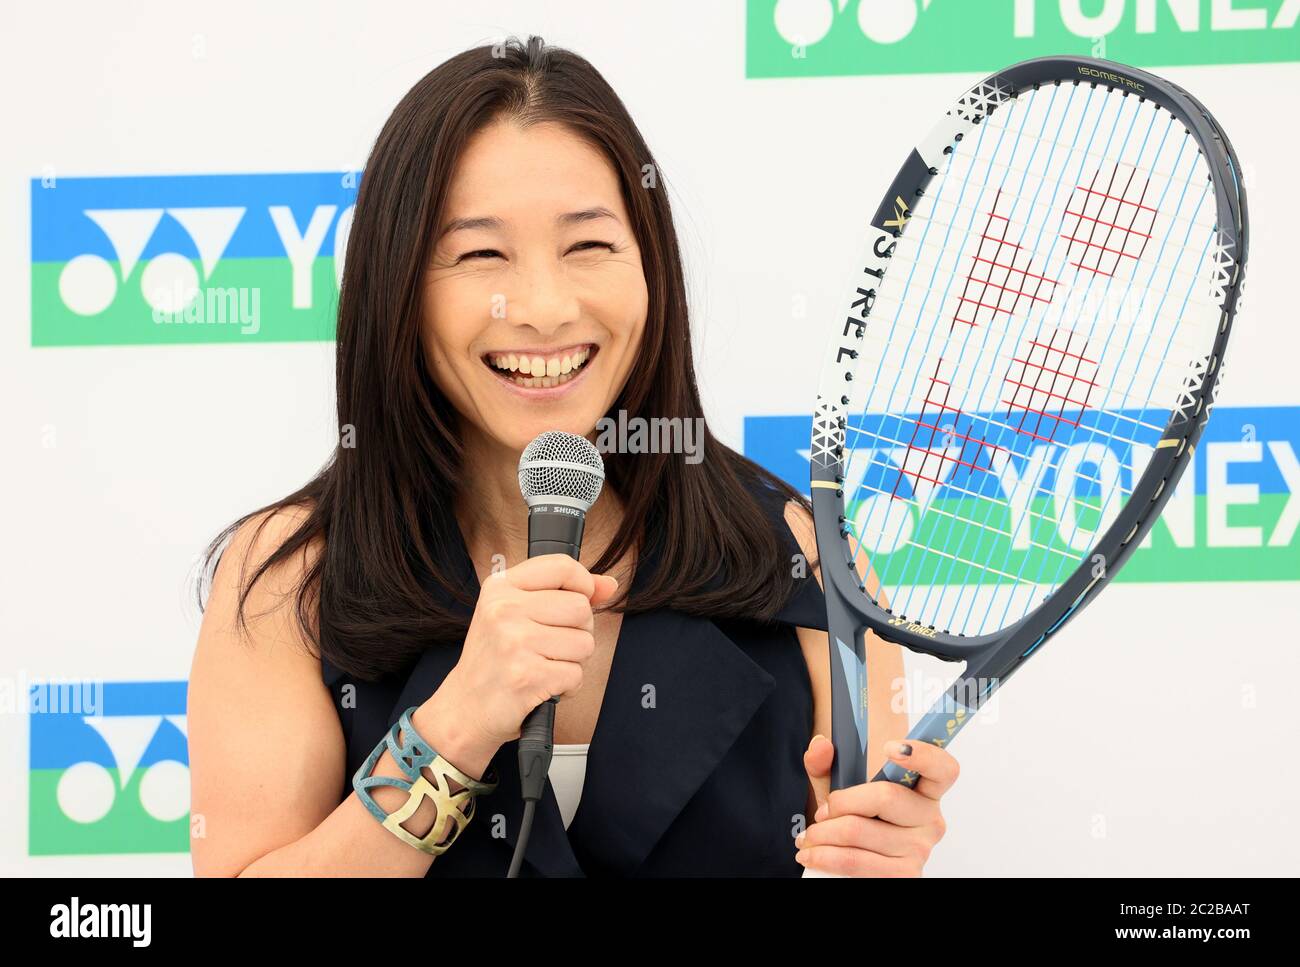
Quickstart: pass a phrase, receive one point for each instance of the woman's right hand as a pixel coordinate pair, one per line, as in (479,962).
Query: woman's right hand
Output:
(531,633)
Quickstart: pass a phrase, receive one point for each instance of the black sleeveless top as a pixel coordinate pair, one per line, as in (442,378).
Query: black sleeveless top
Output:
(707,781)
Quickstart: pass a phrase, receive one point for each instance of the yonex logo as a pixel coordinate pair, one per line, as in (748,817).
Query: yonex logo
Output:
(1234,515)
(89,283)
(913,626)
(187,258)
(802,22)
(820,38)
(109,768)
(899,221)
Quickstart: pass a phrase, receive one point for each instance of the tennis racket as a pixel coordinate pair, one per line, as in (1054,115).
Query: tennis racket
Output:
(1021,372)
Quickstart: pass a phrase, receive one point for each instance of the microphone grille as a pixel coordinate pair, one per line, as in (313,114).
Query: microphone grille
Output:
(558,464)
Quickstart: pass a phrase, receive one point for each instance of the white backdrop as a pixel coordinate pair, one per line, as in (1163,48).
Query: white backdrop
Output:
(125,460)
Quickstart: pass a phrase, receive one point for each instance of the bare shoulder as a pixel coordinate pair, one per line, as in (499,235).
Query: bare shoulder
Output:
(805,532)
(271,599)
(800,522)
(812,642)
(258,707)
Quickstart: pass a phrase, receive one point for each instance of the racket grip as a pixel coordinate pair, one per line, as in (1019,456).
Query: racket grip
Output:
(937,728)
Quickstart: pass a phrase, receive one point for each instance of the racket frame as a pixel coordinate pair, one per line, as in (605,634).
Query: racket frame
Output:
(991,658)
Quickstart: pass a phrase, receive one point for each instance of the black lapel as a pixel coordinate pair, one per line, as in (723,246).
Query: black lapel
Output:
(680,692)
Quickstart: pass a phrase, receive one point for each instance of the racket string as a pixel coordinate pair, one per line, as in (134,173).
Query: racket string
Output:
(910,447)
(1180,316)
(973,210)
(1171,177)
(911,335)
(1016,360)
(948,230)
(1192,276)
(1029,512)
(1044,563)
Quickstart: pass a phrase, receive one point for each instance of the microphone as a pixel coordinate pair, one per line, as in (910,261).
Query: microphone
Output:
(560,476)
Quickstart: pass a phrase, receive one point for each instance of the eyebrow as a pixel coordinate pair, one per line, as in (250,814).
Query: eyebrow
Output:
(493,222)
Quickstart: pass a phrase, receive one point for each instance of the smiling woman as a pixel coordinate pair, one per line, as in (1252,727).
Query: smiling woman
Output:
(373,641)
(526,295)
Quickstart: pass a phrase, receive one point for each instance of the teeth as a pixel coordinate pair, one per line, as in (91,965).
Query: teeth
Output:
(542,382)
(537,371)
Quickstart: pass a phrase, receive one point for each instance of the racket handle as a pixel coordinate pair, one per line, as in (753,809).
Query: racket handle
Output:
(937,728)
(848,668)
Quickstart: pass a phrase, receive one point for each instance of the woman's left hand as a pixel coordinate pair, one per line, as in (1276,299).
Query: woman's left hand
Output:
(876,828)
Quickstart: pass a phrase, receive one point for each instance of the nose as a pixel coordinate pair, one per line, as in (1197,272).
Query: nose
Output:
(542,298)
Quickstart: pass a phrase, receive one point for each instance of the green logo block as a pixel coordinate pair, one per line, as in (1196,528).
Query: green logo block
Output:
(836,38)
(109,769)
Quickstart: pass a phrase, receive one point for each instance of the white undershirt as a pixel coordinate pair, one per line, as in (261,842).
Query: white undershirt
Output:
(568,769)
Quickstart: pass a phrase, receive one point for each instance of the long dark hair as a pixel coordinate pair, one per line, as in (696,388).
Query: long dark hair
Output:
(384,508)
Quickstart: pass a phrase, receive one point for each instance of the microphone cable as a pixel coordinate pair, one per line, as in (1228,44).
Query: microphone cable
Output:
(535,750)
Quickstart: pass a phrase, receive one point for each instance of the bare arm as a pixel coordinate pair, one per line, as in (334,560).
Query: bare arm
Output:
(266,748)
(886,712)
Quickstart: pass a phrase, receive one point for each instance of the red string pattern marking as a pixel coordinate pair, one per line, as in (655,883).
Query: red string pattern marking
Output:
(1107,221)
(936,441)
(999,279)
(1045,380)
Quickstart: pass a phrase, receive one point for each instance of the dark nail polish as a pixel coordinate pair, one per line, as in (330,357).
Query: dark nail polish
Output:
(905,749)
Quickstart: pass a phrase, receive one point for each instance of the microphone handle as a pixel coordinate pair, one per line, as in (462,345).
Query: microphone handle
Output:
(548,533)
(536,743)
(554,529)
(538,548)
